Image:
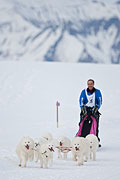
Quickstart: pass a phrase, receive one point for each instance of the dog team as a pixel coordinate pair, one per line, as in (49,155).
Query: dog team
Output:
(42,149)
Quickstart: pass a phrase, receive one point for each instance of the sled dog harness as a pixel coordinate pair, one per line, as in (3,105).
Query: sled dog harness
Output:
(45,154)
(91,99)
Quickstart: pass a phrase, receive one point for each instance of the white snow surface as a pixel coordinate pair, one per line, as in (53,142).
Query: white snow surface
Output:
(28,95)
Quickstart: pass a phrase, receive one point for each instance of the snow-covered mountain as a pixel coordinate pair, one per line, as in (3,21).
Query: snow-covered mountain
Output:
(65,30)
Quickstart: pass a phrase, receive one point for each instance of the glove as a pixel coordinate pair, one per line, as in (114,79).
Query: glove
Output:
(83,110)
(95,110)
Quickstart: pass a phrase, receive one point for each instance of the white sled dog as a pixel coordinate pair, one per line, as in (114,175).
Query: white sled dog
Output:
(48,136)
(93,145)
(46,153)
(80,150)
(37,144)
(25,150)
(62,142)
(37,148)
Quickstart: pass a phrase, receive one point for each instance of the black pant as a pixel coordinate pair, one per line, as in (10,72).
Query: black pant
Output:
(97,116)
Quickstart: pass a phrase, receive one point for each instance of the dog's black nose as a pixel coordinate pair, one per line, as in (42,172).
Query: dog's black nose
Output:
(76,148)
(27,146)
(61,143)
(36,144)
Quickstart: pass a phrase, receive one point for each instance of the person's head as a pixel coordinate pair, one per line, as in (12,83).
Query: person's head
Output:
(90,84)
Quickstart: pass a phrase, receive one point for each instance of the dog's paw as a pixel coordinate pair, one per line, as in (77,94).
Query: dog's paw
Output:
(80,164)
(74,159)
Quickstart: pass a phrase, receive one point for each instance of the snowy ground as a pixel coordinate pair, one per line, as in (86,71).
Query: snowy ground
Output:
(28,95)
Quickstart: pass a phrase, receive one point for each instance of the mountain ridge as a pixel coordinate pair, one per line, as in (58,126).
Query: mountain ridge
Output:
(79,31)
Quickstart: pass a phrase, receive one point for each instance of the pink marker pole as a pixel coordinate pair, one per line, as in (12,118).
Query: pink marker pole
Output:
(57,104)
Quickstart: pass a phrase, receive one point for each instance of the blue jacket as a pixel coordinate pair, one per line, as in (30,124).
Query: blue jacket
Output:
(83,98)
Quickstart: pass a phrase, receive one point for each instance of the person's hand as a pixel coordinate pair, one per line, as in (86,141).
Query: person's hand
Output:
(95,109)
(83,110)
